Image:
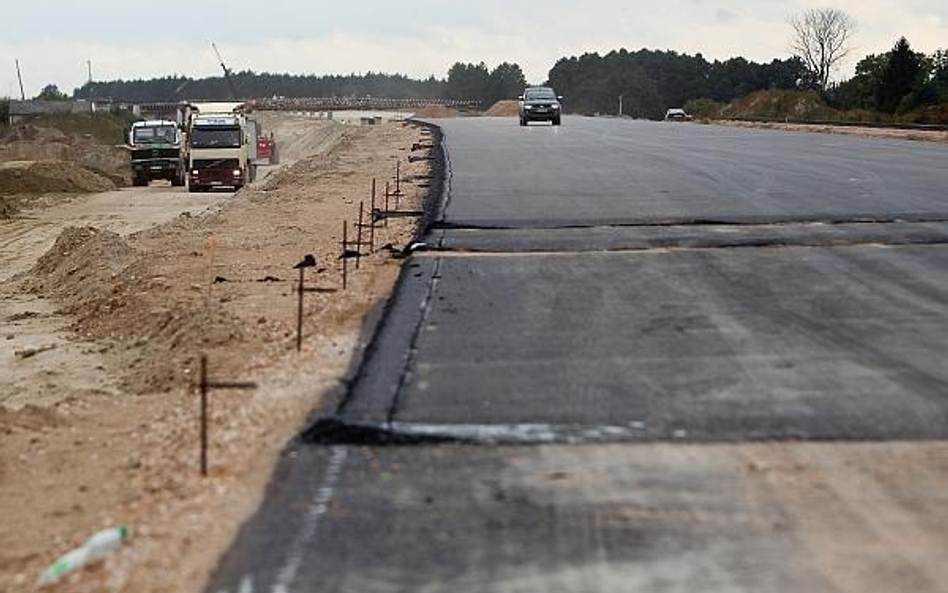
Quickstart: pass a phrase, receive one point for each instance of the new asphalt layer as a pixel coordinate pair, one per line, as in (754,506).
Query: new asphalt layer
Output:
(598,305)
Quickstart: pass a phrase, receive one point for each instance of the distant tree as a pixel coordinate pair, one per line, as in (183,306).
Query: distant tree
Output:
(938,84)
(51,92)
(821,40)
(506,82)
(469,82)
(901,79)
(859,92)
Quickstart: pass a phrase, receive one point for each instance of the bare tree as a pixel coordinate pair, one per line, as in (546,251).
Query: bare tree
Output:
(820,39)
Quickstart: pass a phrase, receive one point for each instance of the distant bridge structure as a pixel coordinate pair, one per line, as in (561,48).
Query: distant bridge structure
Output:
(356,104)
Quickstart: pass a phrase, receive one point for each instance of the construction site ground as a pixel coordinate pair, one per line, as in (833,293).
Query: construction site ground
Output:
(108,301)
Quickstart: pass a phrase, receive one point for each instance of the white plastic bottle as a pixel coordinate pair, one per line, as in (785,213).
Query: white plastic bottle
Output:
(95,547)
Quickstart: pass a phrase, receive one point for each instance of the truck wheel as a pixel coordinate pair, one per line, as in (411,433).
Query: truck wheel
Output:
(195,189)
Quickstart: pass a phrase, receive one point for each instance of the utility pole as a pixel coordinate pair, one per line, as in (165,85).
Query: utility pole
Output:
(89,63)
(19,77)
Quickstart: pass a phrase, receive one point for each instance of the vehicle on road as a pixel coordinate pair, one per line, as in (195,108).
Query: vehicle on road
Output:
(157,151)
(677,114)
(540,104)
(223,147)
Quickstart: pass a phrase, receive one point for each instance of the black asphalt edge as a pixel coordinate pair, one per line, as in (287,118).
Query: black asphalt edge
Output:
(453,246)
(335,431)
(329,414)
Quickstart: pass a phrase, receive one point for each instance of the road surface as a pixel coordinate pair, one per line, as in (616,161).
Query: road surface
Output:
(640,357)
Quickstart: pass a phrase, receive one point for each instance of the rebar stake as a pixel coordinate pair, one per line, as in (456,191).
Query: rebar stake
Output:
(206,386)
(345,254)
(204,416)
(372,221)
(359,236)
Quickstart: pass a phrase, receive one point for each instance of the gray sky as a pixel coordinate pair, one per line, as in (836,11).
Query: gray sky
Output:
(53,40)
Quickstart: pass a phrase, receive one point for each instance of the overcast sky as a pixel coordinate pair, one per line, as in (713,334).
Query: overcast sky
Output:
(123,39)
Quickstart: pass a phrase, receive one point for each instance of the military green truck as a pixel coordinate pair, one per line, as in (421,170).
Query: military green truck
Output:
(158,151)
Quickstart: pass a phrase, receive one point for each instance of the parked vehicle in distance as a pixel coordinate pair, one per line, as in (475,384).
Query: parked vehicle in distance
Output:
(540,103)
(157,151)
(677,114)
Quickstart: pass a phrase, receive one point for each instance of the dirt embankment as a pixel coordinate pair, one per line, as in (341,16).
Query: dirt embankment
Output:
(40,161)
(148,306)
(437,112)
(890,133)
(504,109)
(30,143)
(43,177)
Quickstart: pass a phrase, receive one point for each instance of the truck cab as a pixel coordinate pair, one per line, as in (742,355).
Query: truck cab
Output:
(156,152)
(223,150)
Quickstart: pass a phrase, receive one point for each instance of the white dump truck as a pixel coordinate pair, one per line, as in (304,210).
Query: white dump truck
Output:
(223,146)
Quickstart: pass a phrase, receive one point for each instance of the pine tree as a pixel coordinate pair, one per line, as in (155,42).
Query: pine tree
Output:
(900,79)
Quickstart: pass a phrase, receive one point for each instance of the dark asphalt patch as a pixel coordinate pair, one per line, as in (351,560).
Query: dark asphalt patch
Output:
(694,236)
(796,343)
(471,520)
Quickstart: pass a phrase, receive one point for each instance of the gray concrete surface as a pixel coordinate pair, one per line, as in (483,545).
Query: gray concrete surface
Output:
(685,291)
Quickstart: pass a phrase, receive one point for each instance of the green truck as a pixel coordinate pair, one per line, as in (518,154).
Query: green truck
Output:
(158,151)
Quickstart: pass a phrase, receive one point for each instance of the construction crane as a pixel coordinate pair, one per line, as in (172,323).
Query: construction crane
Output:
(230,82)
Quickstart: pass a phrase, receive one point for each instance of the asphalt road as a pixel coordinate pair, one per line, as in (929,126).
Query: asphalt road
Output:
(664,358)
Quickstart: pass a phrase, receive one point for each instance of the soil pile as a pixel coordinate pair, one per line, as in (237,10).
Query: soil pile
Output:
(54,176)
(505,108)
(82,262)
(436,112)
(32,143)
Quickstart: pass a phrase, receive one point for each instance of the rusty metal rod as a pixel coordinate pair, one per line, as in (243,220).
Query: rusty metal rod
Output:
(398,178)
(299,313)
(203,416)
(345,249)
(359,236)
(386,201)
(372,221)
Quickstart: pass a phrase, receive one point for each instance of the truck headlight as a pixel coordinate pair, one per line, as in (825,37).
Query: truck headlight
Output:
(238,172)
(528,107)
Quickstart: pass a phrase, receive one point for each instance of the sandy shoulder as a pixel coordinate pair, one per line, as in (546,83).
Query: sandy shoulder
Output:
(101,429)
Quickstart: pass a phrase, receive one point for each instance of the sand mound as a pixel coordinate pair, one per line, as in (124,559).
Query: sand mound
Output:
(80,266)
(31,133)
(504,109)
(32,143)
(436,111)
(43,177)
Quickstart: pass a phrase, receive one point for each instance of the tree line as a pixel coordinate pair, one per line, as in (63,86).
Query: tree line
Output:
(649,82)
(896,82)
(251,85)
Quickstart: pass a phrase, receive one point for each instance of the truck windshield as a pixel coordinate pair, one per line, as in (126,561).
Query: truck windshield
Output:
(540,95)
(155,135)
(215,138)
